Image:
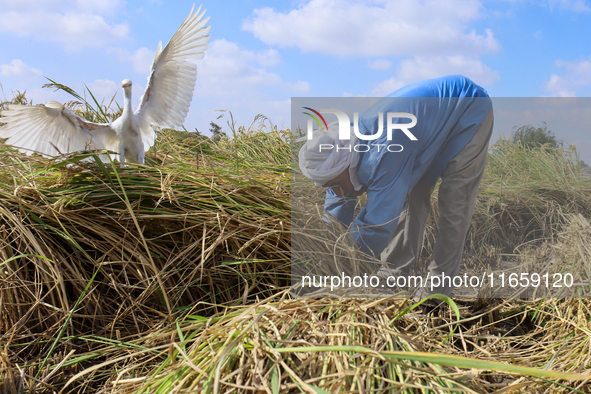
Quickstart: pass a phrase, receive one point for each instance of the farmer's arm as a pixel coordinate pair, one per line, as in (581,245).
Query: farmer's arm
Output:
(340,208)
(374,226)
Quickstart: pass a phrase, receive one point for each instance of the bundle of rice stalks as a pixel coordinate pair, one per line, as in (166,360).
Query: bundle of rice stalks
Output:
(327,346)
(526,193)
(93,249)
(278,347)
(136,278)
(249,152)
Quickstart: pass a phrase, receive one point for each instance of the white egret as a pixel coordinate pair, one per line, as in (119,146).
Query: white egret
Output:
(52,129)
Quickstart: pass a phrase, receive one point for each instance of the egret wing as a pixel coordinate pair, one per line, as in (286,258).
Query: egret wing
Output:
(169,92)
(51,129)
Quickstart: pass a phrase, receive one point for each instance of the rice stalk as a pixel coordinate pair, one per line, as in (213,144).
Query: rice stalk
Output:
(89,254)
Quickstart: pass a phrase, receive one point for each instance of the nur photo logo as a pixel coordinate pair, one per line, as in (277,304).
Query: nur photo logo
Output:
(344,124)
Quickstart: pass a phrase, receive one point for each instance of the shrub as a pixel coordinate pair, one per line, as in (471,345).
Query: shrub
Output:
(532,137)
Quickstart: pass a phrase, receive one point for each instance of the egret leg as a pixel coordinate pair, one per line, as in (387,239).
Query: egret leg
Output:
(122,157)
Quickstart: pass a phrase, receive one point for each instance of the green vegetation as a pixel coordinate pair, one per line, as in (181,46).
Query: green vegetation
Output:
(534,137)
(173,277)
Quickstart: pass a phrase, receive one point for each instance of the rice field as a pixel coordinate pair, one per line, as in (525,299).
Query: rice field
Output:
(174,277)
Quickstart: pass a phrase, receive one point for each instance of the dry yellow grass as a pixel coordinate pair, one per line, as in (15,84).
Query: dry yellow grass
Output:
(174,277)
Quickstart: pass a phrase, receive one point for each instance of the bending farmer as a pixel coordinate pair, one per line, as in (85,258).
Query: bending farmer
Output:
(454,121)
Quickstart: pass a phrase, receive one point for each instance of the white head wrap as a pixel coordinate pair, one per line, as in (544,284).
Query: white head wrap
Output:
(323,165)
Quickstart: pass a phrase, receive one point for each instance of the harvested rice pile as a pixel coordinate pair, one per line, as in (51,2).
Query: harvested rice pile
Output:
(172,277)
(93,249)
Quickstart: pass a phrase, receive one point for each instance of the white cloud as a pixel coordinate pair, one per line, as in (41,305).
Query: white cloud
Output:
(142,60)
(375,27)
(559,86)
(577,6)
(268,58)
(101,6)
(379,64)
(420,68)
(236,79)
(227,70)
(76,25)
(576,76)
(103,89)
(347,94)
(104,7)
(300,86)
(18,69)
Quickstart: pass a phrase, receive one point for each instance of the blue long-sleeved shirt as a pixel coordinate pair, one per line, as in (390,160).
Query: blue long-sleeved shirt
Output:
(449,111)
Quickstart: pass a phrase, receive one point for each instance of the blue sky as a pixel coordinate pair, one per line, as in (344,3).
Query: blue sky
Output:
(262,53)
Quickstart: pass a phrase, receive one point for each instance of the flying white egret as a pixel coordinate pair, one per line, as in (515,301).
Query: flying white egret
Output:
(52,129)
